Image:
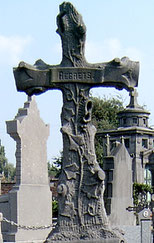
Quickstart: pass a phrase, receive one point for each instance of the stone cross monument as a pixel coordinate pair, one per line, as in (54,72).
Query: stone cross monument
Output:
(82,217)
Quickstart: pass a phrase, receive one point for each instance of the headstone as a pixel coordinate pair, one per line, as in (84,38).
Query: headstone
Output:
(132,233)
(146,236)
(30,199)
(145,217)
(82,214)
(118,193)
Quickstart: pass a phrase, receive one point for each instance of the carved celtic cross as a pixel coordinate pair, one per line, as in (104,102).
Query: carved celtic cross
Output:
(81,184)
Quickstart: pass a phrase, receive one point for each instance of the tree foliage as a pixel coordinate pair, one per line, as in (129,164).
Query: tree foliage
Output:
(54,168)
(9,172)
(140,189)
(6,169)
(104,117)
(3,159)
(104,113)
(54,208)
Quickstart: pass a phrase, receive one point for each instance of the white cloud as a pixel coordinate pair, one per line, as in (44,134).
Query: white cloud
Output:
(113,46)
(134,54)
(57,48)
(102,51)
(109,49)
(12,47)
(56,51)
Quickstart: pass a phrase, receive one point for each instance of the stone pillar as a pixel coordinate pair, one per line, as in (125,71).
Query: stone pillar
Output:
(1,184)
(30,199)
(107,145)
(139,170)
(1,237)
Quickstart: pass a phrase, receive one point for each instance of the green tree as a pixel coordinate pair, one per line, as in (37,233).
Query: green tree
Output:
(104,117)
(54,208)
(104,113)
(6,169)
(139,190)
(54,168)
(3,159)
(9,172)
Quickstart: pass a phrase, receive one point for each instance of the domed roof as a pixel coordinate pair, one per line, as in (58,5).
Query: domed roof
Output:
(133,114)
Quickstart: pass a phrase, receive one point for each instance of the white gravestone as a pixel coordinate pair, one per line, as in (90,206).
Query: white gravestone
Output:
(30,199)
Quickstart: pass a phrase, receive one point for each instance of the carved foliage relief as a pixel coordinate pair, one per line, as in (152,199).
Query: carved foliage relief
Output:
(81,182)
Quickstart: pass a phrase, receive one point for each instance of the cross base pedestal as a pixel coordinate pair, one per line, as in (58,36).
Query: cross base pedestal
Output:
(115,240)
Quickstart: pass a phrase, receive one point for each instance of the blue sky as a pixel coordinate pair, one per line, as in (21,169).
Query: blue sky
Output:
(115,28)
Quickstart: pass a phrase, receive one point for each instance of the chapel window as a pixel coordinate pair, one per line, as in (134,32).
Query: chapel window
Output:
(127,143)
(135,120)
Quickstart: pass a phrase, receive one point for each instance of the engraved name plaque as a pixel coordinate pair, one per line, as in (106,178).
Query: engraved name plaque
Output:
(71,75)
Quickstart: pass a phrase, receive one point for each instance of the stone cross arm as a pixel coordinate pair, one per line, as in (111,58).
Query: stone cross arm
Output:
(119,73)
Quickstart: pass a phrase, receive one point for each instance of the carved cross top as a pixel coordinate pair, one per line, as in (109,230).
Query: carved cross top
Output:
(118,73)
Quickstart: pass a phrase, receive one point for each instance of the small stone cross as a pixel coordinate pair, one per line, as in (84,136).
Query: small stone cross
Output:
(133,99)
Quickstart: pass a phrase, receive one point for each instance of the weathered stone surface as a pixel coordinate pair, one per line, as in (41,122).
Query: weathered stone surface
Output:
(95,241)
(1,237)
(81,185)
(121,73)
(132,233)
(146,231)
(29,201)
(118,195)
(1,183)
(30,133)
